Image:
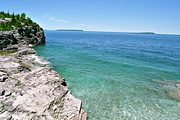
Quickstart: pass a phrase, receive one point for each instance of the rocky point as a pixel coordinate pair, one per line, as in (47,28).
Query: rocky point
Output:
(29,88)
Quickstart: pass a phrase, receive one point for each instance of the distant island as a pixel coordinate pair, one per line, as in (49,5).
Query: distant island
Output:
(146,33)
(68,30)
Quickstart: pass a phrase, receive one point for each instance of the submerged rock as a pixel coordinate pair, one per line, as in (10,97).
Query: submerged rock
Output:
(173,91)
(172,88)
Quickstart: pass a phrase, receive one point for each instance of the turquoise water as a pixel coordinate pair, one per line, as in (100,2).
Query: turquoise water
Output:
(115,74)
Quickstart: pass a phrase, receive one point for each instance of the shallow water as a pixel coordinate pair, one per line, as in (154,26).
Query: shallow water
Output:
(115,74)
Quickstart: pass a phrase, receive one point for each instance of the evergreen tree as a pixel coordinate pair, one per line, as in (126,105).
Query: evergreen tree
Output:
(18,17)
(13,18)
(2,14)
(23,15)
(8,15)
(18,21)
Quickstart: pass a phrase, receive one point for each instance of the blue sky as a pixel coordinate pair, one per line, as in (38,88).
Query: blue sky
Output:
(160,16)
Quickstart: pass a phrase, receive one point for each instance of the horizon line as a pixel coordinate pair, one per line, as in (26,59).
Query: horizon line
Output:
(135,32)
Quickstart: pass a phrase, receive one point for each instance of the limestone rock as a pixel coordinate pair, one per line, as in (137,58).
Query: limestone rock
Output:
(3,77)
(7,38)
(13,37)
(73,114)
(31,90)
(172,88)
(25,51)
(4,20)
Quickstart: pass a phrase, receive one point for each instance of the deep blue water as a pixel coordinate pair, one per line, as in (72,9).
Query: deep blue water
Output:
(115,74)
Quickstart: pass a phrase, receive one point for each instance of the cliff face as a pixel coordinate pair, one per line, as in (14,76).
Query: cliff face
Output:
(29,88)
(18,29)
(19,37)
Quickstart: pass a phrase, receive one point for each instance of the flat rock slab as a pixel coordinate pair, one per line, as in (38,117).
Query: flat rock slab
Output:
(31,90)
(9,65)
(3,58)
(70,102)
(36,100)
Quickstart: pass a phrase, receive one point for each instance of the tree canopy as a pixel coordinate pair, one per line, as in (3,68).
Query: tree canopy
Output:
(16,21)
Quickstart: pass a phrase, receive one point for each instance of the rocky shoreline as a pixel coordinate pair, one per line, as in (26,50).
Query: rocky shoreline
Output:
(29,88)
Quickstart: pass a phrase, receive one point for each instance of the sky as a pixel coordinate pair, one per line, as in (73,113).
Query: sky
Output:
(160,16)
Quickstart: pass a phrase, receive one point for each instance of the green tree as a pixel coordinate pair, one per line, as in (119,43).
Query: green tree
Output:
(13,18)
(2,14)
(29,21)
(17,17)
(23,15)
(18,21)
(8,15)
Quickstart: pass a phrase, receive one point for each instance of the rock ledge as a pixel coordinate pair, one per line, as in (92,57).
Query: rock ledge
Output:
(29,88)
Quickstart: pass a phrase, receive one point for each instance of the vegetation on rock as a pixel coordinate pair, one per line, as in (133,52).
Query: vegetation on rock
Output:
(16,29)
(6,52)
(13,21)
(29,88)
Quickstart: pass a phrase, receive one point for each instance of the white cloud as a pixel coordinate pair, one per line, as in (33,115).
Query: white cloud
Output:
(55,23)
(58,20)
(85,25)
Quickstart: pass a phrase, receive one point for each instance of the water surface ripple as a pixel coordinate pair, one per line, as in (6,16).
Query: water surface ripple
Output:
(115,74)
